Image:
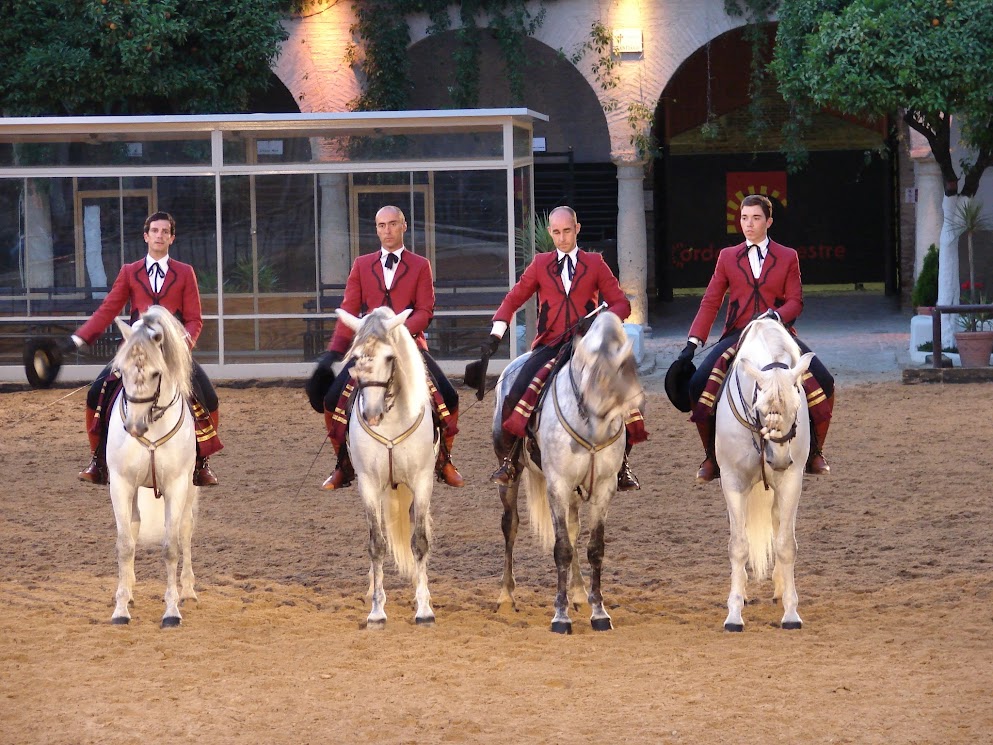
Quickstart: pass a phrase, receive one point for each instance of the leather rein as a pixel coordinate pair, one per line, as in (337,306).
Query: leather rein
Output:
(387,442)
(592,448)
(754,424)
(157,413)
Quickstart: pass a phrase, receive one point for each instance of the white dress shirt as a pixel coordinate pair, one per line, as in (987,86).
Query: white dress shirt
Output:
(389,272)
(155,279)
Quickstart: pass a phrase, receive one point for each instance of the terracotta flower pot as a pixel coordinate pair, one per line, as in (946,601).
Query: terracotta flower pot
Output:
(975,347)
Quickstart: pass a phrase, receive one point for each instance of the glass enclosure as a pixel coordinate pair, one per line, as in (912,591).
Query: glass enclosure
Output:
(271,211)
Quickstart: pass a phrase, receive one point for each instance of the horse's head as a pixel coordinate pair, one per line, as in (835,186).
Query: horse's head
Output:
(382,350)
(155,366)
(606,371)
(777,402)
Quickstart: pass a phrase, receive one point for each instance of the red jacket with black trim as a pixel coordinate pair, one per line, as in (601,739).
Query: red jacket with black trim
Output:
(180,295)
(365,290)
(778,288)
(558,312)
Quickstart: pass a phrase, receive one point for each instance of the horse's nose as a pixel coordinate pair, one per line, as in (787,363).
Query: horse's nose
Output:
(137,429)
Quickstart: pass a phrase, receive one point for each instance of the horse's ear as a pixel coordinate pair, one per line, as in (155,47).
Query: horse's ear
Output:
(802,365)
(401,318)
(123,327)
(348,319)
(753,372)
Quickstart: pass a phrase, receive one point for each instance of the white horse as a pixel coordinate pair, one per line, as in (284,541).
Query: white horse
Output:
(391,439)
(581,437)
(763,435)
(151,442)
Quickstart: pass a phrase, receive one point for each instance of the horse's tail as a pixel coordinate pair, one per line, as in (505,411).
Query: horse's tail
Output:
(396,526)
(758,529)
(539,514)
(152,514)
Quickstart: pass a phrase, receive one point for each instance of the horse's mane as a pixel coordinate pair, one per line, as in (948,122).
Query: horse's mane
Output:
(600,348)
(173,359)
(409,367)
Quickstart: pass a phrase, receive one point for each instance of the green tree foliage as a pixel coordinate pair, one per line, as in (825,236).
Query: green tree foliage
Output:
(83,57)
(872,58)
(929,59)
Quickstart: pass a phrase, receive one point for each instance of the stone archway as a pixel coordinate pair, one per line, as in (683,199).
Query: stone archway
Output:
(711,160)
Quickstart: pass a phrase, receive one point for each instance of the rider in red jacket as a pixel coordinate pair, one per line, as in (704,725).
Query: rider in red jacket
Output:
(759,276)
(156,279)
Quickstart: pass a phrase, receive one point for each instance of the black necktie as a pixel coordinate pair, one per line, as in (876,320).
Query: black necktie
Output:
(155,275)
(758,254)
(567,261)
(391,260)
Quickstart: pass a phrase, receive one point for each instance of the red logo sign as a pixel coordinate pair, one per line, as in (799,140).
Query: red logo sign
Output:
(740,184)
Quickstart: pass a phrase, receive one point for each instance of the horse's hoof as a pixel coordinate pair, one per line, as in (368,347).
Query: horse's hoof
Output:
(377,625)
(734,627)
(792,625)
(425,621)
(562,627)
(171,622)
(601,624)
(120,620)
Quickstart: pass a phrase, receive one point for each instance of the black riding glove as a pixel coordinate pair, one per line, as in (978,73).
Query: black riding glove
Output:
(688,351)
(321,379)
(326,359)
(66,345)
(490,346)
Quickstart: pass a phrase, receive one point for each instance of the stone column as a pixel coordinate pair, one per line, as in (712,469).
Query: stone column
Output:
(632,249)
(928,216)
(336,252)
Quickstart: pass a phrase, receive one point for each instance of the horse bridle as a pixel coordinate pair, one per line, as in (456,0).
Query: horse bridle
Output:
(152,445)
(388,443)
(592,448)
(755,425)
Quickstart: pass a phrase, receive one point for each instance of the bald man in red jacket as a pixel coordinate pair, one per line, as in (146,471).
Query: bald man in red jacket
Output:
(760,277)
(398,279)
(570,283)
(156,279)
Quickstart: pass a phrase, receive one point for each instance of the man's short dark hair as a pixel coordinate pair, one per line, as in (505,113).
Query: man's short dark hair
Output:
(758,200)
(160,216)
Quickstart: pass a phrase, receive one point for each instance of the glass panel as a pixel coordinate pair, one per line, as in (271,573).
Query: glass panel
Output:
(95,149)
(271,339)
(362,145)
(522,142)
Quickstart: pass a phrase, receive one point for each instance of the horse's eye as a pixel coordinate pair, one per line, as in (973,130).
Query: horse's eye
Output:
(390,358)
(156,374)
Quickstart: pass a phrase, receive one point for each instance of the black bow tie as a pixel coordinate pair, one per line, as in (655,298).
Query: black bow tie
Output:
(155,270)
(391,260)
(758,252)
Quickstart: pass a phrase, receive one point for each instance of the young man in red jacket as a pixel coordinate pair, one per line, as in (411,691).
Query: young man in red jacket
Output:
(570,283)
(399,279)
(759,276)
(155,279)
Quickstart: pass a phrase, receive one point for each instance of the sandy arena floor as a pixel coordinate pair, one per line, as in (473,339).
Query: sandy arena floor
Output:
(894,575)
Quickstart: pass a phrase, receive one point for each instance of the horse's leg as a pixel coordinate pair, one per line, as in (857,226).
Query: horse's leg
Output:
(170,550)
(122,495)
(599,618)
(737,551)
(786,549)
(186,579)
(509,523)
(377,551)
(420,544)
(577,587)
(561,623)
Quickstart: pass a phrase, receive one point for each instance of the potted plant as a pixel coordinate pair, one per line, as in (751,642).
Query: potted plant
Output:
(924,296)
(975,340)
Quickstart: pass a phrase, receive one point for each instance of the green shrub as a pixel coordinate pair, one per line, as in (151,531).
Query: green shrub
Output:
(925,292)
